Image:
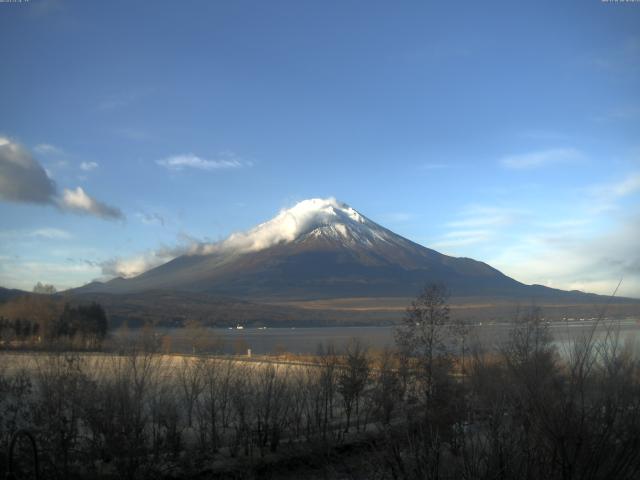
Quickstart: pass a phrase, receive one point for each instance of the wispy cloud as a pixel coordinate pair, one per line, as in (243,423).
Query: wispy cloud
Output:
(434,166)
(24,274)
(539,134)
(47,233)
(625,187)
(88,166)
(542,158)
(436,52)
(620,58)
(590,250)
(45,7)
(486,216)
(189,160)
(47,148)
(133,133)
(606,196)
(589,261)
(477,224)
(50,233)
(56,157)
(152,218)
(622,113)
(458,238)
(54,154)
(134,265)
(120,100)
(397,217)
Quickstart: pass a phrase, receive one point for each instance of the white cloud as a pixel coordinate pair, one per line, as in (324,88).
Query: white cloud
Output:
(189,160)
(46,233)
(605,197)
(542,158)
(19,273)
(51,233)
(434,166)
(120,100)
(587,250)
(619,59)
(286,226)
(458,238)
(629,185)
(479,221)
(623,113)
(467,233)
(46,148)
(152,218)
(592,261)
(290,223)
(88,166)
(487,216)
(436,52)
(22,178)
(398,217)
(132,133)
(564,253)
(78,201)
(566,224)
(115,102)
(140,263)
(132,266)
(538,134)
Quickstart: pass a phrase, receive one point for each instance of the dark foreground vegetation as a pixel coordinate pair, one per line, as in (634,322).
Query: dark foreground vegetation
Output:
(421,411)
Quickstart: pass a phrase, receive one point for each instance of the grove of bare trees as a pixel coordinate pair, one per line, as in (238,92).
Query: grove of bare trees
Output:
(528,409)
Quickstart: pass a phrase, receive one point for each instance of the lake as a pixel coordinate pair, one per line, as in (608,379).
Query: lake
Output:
(307,340)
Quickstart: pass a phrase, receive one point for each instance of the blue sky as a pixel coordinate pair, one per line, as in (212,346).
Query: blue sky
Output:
(502,131)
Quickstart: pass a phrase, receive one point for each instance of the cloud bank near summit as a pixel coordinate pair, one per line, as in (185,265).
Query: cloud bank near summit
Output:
(288,225)
(574,263)
(285,227)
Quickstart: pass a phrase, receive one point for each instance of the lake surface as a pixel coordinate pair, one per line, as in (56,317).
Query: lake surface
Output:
(307,340)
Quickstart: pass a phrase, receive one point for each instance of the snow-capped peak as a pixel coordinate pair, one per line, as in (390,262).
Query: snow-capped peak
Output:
(319,217)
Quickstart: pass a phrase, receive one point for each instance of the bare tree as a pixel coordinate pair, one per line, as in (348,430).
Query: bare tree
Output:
(353,378)
(191,383)
(271,405)
(422,335)
(387,389)
(328,362)
(46,288)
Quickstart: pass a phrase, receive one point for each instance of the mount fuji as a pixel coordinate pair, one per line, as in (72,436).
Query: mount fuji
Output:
(324,249)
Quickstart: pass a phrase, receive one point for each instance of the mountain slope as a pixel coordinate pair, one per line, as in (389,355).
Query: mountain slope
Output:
(7,294)
(322,248)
